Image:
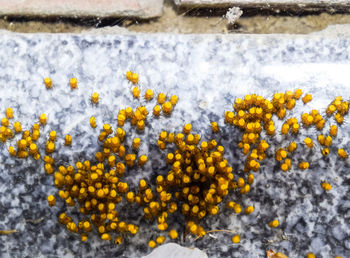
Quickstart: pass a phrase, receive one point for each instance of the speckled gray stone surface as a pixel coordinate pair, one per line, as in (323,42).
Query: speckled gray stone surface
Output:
(207,73)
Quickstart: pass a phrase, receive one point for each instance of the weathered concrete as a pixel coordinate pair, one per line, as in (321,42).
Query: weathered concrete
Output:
(278,5)
(75,8)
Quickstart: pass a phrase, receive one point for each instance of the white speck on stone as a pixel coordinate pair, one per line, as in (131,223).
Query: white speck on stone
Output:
(203,104)
(233,15)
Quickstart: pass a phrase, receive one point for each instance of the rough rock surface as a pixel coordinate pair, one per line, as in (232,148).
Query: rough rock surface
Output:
(306,5)
(77,8)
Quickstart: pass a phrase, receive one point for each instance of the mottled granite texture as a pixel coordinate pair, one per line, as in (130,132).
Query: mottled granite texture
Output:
(207,73)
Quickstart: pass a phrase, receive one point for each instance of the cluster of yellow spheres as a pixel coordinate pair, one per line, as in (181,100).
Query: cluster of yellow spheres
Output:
(5,131)
(133,77)
(27,144)
(253,114)
(98,188)
(198,181)
(338,108)
(199,178)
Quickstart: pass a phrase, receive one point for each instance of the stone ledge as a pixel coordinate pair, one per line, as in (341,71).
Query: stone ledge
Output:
(143,9)
(306,5)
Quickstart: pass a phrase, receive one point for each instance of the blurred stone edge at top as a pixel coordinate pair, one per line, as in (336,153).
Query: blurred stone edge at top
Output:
(301,5)
(143,9)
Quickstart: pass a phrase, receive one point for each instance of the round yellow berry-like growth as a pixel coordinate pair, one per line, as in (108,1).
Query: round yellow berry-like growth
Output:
(304,165)
(325,151)
(129,75)
(339,118)
(156,110)
(9,113)
(307,98)
(173,100)
(310,255)
(94,97)
(42,119)
(274,224)
(12,151)
(73,83)
(142,160)
(298,93)
(187,128)
(326,186)
(18,127)
(214,127)
(140,125)
(92,122)
(161,98)
(160,240)
(118,240)
(173,234)
(33,149)
(342,153)
(48,82)
(249,210)
(106,236)
(236,239)
(53,136)
(149,94)
(68,140)
(50,147)
(308,142)
(135,78)
(22,144)
(328,141)
(51,200)
(333,131)
(83,237)
(152,244)
(136,143)
(135,92)
(167,107)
